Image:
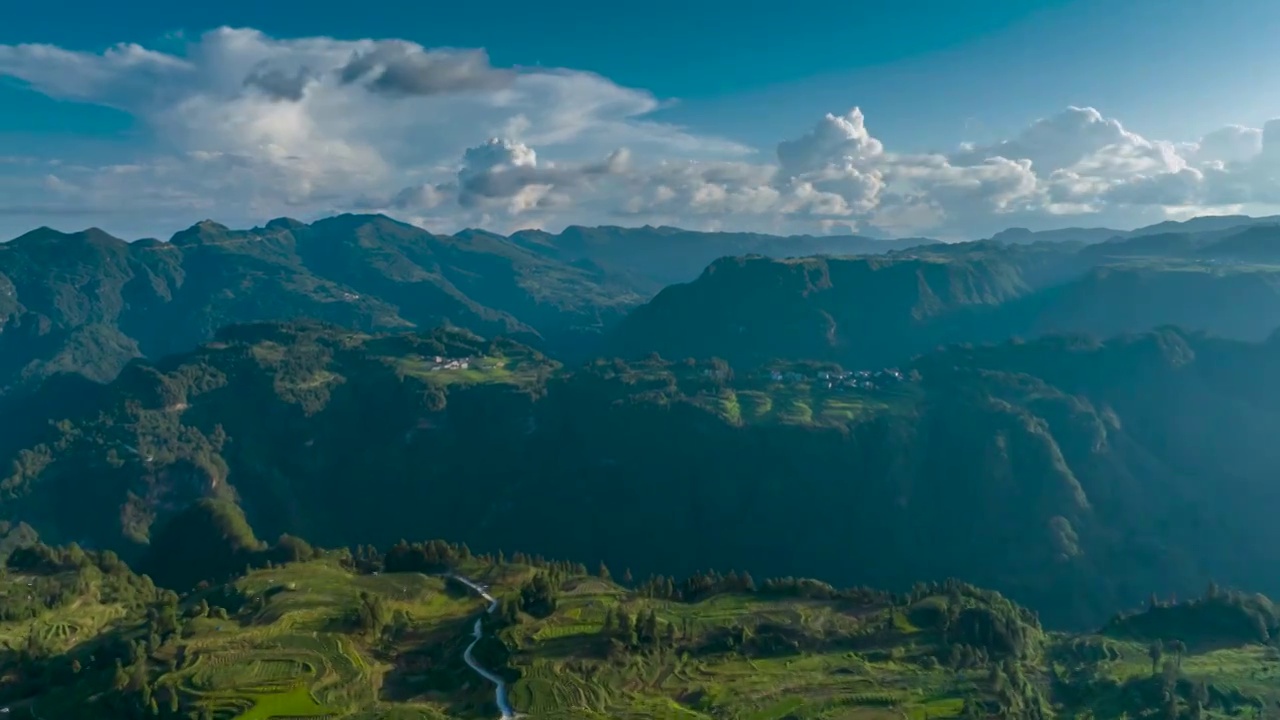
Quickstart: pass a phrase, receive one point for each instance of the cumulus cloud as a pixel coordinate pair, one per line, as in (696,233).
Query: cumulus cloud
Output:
(833,139)
(401,68)
(1231,144)
(242,127)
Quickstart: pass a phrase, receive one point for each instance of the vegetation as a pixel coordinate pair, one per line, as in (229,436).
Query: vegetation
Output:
(88,303)
(1077,478)
(875,311)
(1026,467)
(366,634)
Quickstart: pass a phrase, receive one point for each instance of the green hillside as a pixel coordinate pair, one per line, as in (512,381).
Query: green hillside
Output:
(369,635)
(88,303)
(884,310)
(1121,468)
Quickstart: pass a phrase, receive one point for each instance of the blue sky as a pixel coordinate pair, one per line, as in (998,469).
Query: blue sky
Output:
(725,84)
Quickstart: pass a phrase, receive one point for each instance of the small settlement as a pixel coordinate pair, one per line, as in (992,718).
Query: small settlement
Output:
(864,379)
(443,363)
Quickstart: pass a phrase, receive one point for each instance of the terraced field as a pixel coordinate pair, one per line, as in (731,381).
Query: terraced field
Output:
(567,671)
(862,662)
(296,647)
(295,658)
(81,620)
(293,652)
(801,404)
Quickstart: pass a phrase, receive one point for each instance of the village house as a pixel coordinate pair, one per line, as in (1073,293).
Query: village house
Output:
(442,363)
(832,380)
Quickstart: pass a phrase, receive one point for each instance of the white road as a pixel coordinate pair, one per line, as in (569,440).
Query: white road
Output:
(500,685)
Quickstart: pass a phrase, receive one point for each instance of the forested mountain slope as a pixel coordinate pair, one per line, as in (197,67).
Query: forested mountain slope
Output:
(88,303)
(887,309)
(1076,476)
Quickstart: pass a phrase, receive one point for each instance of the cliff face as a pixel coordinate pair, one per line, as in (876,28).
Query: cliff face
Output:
(859,311)
(875,311)
(1117,469)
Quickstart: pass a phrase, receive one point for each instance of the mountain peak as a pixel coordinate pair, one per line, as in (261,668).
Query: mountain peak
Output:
(45,234)
(202,232)
(1013,232)
(285,223)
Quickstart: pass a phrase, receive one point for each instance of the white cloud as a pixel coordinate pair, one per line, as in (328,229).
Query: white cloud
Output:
(242,127)
(1233,143)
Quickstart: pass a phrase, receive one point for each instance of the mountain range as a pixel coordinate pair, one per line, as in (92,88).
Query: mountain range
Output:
(880,310)
(1081,421)
(87,302)
(269,367)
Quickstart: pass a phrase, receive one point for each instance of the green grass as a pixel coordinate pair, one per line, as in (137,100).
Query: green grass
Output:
(484,370)
(566,672)
(298,657)
(743,656)
(63,628)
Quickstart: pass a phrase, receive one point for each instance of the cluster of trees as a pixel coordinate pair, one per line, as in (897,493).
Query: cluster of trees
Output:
(1014,694)
(210,541)
(133,692)
(116,669)
(1165,694)
(437,556)
(58,576)
(538,597)
(992,628)
(1170,629)
(702,585)
(372,614)
(642,631)
(433,556)
(1218,614)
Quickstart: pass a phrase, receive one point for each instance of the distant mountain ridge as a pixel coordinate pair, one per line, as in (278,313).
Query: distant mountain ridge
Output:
(1202,224)
(666,255)
(875,310)
(88,302)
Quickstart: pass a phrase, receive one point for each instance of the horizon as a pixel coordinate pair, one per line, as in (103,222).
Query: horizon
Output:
(512,119)
(167,237)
